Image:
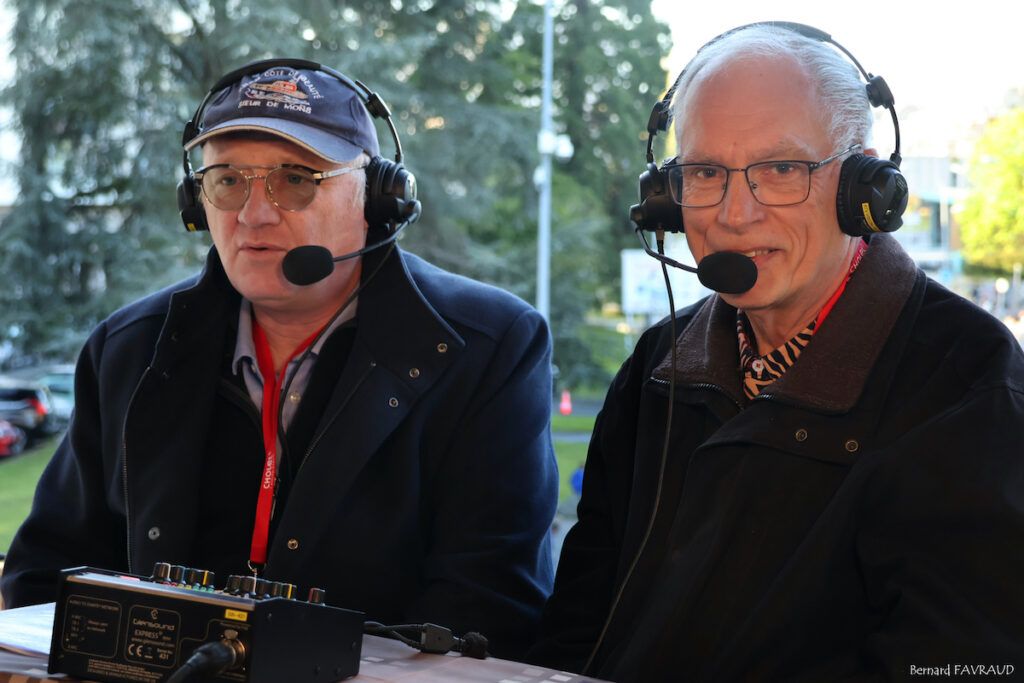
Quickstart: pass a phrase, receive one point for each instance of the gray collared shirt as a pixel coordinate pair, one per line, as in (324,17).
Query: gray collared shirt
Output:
(244,363)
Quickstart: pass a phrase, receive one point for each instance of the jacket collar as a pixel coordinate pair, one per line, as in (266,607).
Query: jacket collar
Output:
(392,304)
(832,371)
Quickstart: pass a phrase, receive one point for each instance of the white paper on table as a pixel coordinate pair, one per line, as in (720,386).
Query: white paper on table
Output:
(27,630)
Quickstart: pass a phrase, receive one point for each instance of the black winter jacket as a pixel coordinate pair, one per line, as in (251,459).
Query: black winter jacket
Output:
(862,517)
(427,490)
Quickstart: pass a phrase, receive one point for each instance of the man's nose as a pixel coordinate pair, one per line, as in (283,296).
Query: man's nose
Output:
(739,206)
(258,208)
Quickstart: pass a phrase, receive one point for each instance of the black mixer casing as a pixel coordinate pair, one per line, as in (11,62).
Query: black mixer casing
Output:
(117,627)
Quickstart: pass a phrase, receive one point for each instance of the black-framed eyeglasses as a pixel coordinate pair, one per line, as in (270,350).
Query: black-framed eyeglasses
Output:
(782,182)
(289,186)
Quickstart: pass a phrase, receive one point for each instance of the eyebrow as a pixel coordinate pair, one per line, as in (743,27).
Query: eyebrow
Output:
(784,149)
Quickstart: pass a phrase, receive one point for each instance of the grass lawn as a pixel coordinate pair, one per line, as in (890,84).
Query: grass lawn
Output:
(581,424)
(18,477)
(570,455)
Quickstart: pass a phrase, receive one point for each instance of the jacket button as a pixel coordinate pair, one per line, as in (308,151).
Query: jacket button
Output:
(414,372)
(393,402)
(800,435)
(293,544)
(852,445)
(442,348)
(153,533)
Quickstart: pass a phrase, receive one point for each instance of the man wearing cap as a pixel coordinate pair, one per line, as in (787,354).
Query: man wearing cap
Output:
(370,434)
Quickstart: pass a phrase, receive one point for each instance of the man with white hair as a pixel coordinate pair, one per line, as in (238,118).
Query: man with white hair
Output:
(820,477)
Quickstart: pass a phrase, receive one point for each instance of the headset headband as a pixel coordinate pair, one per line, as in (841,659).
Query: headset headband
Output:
(879,94)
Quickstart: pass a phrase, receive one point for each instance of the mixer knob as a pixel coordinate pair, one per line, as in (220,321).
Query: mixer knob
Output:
(248,586)
(161,570)
(234,585)
(177,574)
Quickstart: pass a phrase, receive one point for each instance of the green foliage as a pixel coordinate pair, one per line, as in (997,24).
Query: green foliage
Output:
(992,221)
(102,88)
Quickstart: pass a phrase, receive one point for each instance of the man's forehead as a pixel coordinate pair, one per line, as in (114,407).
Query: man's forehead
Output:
(784,147)
(756,108)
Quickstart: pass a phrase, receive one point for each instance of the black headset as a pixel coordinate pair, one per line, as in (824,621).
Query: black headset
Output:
(391,201)
(872,194)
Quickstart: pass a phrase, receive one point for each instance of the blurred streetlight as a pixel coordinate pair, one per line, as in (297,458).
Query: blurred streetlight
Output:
(1015,288)
(1002,287)
(548,144)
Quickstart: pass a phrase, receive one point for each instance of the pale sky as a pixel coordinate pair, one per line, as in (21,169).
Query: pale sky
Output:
(949,64)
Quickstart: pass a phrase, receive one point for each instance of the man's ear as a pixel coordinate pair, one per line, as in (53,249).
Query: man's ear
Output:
(871,152)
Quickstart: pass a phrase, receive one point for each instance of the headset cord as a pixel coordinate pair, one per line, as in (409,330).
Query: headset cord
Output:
(661,467)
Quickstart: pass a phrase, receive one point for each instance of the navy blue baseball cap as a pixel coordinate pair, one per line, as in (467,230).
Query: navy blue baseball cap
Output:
(310,108)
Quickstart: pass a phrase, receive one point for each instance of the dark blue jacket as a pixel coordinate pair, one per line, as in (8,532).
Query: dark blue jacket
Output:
(426,493)
(861,520)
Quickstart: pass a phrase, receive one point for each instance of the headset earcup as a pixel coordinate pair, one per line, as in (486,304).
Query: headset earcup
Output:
(372,203)
(871,197)
(190,206)
(656,210)
(390,194)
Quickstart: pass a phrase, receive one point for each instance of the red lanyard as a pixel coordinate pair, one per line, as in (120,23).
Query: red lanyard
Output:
(271,404)
(827,308)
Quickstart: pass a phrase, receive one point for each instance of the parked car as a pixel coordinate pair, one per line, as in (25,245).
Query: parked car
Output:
(12,439)
(60,380)
(28,406)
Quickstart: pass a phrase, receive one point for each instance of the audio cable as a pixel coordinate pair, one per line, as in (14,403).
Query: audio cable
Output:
(209,660)
(431,638)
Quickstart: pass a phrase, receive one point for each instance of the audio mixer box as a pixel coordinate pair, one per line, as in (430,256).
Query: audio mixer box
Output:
(112,626)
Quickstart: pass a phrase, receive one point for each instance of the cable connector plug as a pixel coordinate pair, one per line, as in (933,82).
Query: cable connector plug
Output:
(436,639)
(209,660)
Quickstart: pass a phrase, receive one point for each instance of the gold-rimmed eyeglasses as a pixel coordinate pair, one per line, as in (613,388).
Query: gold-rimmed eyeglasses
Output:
(289,186)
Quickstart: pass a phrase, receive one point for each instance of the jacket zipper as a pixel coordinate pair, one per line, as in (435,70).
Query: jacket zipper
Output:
(124,467)
(703,385)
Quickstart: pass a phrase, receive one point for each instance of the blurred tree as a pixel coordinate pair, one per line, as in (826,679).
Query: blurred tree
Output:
(102,88)
(992,220)
(607,76)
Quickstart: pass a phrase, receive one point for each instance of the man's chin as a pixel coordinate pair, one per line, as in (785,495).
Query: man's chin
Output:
(754,299)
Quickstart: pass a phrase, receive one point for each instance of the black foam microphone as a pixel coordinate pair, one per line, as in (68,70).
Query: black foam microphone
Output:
(311,263)
(725,272)
(307,265)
